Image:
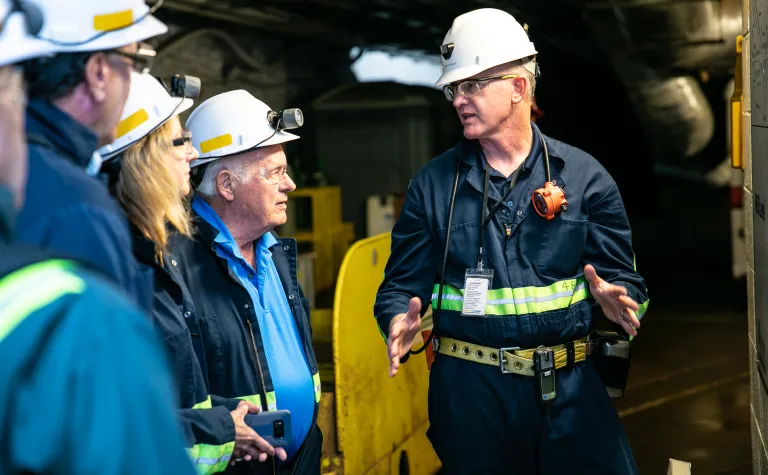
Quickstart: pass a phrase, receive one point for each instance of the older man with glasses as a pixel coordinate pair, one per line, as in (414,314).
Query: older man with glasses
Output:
(76,97)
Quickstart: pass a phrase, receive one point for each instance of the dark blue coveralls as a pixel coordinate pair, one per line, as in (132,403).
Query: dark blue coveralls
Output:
(483,421)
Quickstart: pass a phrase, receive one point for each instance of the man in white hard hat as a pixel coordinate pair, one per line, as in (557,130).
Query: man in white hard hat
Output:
(254,319)
(521,244)
(70,338)
(76,97)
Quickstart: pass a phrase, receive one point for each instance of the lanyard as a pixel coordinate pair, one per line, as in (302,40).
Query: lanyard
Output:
(485,218)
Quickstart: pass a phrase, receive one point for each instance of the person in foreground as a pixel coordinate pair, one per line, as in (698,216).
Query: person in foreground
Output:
(84,386)
(537,250)
(76,97)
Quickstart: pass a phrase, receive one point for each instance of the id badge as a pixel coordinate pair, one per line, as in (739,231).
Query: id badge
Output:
(477,283)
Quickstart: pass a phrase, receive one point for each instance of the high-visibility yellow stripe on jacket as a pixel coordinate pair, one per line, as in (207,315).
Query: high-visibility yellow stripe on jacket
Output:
(316,383)
(525,300)
(29,289)
(521,300)
(210,459)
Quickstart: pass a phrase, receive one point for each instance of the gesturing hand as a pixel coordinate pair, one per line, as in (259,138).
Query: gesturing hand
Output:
(616,305)
(402,331)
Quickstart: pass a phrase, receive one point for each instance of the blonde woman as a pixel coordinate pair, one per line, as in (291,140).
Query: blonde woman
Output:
(148,167)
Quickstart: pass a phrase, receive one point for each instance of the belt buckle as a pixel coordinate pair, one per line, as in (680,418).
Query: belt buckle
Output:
(509,349)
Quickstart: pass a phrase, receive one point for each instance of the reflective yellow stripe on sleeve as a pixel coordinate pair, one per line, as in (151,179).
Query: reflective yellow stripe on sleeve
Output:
(521,300)
(209,459)
(204,404)
(256,399)
(29,289)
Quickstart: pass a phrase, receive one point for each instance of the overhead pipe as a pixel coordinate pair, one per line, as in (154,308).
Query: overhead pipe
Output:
(656,46)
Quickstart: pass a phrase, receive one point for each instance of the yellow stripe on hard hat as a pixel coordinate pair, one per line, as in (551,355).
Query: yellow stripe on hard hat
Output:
(131,122)
(112,21)
(215,143)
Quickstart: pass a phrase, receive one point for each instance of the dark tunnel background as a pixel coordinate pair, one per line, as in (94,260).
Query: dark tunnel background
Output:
(681,227)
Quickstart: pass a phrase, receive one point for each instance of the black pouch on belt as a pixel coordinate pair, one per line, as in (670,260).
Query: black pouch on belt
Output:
(610,353)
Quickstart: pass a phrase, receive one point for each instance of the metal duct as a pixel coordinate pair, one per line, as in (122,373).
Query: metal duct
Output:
(674,112)
(655,45)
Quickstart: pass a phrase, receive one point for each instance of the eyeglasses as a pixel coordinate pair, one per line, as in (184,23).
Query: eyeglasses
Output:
(184,141)
(141,60)
(273,176)
(472,87)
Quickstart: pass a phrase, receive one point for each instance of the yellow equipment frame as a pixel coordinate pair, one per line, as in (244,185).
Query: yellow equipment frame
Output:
(381,422)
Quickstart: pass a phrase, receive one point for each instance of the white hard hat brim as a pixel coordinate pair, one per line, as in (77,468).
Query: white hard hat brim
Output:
(21,47)
(185,105)
(467,72)
(278,138)
(147,28)
(459,74)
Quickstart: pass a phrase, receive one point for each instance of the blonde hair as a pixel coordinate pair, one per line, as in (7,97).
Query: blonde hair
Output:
(148,191)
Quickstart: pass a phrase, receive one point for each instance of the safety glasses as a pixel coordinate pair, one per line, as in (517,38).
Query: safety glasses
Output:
(472,87)
(184,141)
(141,60)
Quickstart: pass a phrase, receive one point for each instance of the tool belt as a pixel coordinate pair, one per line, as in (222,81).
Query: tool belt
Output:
(512,360)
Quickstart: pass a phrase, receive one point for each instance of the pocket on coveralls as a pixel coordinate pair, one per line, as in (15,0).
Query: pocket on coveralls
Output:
(562,246)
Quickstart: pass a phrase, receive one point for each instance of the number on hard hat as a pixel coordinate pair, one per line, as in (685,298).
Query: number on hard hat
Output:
(480,40)
(235,122)
(149,105)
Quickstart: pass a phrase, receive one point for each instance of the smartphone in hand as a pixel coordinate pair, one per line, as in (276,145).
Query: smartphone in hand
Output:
(272,426)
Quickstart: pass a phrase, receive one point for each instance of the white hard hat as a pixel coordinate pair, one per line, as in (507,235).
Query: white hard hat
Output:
(233,122)
(479,40)
(46,27)
(13,26)
(149,105)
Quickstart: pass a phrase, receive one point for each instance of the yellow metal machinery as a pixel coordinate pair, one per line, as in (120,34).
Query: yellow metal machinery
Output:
(373,424)
(329,236)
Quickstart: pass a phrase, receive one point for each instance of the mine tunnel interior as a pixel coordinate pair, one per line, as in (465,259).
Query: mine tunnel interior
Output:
(642,87)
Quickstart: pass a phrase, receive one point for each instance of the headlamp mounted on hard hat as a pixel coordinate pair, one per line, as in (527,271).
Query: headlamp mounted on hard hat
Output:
(283,120)
(182,87)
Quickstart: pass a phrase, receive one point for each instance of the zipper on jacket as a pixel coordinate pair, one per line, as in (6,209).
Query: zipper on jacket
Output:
(507,230)
(261,375)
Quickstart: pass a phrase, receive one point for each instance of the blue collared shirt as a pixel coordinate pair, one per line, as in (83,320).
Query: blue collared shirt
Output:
(291,377)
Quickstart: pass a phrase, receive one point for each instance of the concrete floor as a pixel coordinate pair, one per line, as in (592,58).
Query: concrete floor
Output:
(688,394)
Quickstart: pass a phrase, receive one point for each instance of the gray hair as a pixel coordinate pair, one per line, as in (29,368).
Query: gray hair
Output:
(236,165)
(519,67)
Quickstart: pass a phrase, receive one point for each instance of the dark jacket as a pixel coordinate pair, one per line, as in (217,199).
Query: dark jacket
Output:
(539,295)
(234,352)
(84,385)
(70,212)
(206,421)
